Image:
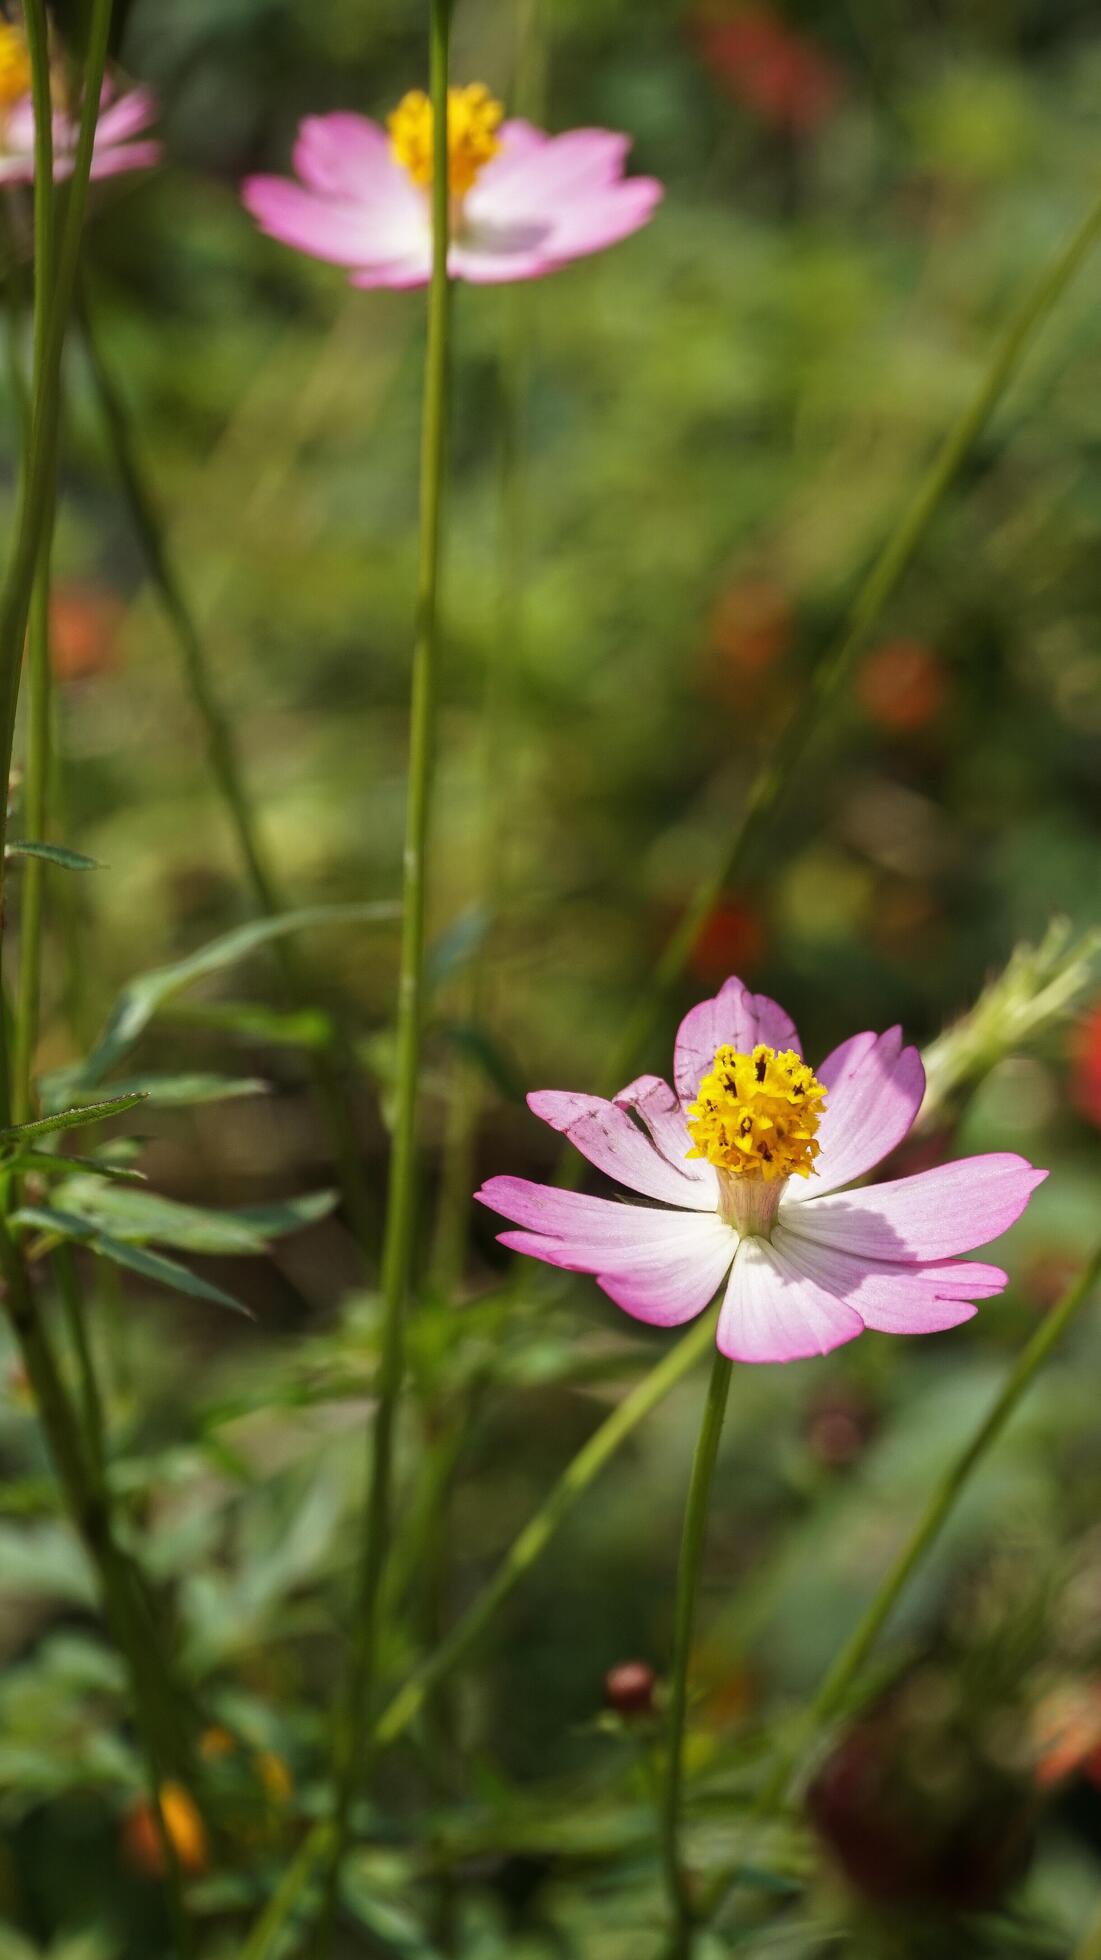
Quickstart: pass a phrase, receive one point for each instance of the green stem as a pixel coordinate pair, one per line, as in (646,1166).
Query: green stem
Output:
(91,1402)
(331,1070)
(35,825)
(401,1196)
(688,1580)
(839,1680)
(51,317)
(525,1551)
(833,667)
(87,1504)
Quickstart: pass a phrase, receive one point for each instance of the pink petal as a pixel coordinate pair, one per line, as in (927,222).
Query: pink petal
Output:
(344,231)
(602,1224)
(342,154)
(875,1090)
(894,1299)
(735,1017)
(397,274)
(656,1105)
(609,1137)
(111,162)
(932,1215)
(772,1312)
(527,178)
(602,220)
(131,113)
(664,1280)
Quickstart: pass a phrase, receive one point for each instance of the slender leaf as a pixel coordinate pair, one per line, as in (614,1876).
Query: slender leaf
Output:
(72,1119)
(136,1258)
(143,997)
(50,1162)
(54,854)
(188,1091)
(144,1217)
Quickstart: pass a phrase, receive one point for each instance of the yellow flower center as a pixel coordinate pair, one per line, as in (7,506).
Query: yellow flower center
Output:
(756,1115)
(15,66)
(473,118)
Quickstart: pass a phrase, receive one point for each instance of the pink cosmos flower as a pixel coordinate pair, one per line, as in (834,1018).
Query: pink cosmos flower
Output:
(119,121)
(744,1163)
(522,203)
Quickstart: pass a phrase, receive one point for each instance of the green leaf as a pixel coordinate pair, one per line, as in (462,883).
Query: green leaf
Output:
(143,1217)
(142,998)
(49,1162)
(72,1119)
(302,1027)
(189,1091)
(135,1258)
(454,948)
(54,854)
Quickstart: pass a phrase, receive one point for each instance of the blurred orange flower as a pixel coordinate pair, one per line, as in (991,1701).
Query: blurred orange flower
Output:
(185,1827)
(1067,1733)
(902,686)
(770,68)
(84,627)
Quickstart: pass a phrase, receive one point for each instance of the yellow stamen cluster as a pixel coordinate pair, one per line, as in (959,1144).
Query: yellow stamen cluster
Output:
(756,1115)
(15,66)
(473,118)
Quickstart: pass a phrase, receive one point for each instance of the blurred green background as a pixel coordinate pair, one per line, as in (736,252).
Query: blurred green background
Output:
(721,420)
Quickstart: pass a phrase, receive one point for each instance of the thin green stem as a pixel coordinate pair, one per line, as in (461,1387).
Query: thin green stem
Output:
(51,317)
(835,663)
(91,1401)
(839,1681)
(331,1070)
(688,1581)
(525,1551)
(1089,1948)
(87,1503)
(36,825)
(402,1193)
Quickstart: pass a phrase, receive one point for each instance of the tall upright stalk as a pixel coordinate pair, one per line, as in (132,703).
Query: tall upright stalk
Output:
(688,1581)
(82,1487)
(402,1193)
(332,1067)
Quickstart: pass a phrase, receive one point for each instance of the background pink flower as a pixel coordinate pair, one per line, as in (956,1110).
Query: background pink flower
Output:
(807,1264)
(119,122)
(537,202)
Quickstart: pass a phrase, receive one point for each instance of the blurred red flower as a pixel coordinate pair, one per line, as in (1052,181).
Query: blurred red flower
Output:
(84,626)
(731,940)
(1085,1076)
(1067,1734)
(902,686)
(770,68)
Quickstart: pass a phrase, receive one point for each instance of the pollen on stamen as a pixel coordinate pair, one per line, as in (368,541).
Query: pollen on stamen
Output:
(15,66)
(755,1115)
(473,119)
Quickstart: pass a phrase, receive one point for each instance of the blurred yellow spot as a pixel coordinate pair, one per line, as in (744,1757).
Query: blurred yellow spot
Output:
(473,118)
(274,1775)
(185,1827)
(756,1115)
(15,66)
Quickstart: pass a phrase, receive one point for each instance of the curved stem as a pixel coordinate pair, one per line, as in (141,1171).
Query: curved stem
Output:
(401,1196)
(832,669)
(688,1580)
(330,1070)
(839,1680)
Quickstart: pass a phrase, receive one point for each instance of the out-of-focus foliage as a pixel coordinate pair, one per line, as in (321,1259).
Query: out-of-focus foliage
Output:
(721,420)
